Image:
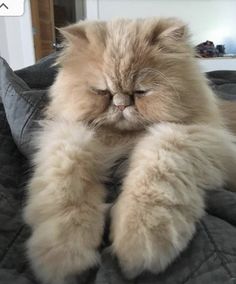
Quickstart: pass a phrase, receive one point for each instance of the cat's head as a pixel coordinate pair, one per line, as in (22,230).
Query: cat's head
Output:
(127,73)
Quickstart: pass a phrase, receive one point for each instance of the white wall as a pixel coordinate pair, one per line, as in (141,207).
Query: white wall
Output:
(208,19)
(92,9)
(16,42)
(3,39)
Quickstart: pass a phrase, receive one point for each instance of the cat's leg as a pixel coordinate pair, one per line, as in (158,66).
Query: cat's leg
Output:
(65,202)
(163,194)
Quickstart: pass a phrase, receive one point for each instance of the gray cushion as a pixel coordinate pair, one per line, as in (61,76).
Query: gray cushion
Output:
(223,83)
(23,106)
(40,75)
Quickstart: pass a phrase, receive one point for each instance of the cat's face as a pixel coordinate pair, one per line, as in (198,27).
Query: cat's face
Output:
(125,73)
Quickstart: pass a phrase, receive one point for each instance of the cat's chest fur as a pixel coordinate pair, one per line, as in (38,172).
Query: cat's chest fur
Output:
(118,147)
(114,138)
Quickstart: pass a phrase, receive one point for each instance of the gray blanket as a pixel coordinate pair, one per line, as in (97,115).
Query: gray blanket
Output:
(210,256)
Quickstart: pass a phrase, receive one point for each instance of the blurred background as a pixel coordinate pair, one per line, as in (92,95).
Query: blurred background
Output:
(26,39)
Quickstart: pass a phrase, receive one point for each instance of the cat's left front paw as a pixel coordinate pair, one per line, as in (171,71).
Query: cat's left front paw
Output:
(147,236)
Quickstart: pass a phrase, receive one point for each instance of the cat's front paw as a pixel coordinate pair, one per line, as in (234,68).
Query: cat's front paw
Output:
(147,236)
(57,253)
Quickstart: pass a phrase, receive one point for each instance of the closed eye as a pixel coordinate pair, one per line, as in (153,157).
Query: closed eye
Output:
(101,92)
(140,93)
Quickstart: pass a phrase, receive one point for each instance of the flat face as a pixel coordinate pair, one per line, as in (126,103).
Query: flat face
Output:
(126,73)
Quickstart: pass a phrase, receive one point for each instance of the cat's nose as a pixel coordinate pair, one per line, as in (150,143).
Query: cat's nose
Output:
(121,107)
(121,101)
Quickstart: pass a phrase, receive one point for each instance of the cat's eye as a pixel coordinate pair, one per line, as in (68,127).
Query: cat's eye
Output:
(101,92)
(140,93)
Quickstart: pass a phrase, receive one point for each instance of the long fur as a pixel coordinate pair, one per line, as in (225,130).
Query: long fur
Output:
(126,89)
(228,110)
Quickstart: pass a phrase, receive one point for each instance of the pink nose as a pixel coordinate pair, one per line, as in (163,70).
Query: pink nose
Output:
(121,107)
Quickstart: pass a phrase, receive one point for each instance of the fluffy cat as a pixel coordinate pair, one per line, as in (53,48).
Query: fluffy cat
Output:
(126,88)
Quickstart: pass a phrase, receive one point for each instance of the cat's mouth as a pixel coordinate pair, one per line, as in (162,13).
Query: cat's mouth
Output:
(126,118)
(123,114)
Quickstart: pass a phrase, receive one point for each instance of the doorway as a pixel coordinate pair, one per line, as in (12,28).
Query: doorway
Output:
(47,15)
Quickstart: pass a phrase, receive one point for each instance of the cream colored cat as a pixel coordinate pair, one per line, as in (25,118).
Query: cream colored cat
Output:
(126,88)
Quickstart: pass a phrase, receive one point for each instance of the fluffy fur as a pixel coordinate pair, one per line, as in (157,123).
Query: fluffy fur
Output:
(126,88)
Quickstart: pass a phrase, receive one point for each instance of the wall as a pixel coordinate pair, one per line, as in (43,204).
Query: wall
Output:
(3,41)
(92,9)
(208,19)
(16,44)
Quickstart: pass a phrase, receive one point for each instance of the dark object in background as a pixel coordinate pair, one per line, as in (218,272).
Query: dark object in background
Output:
(221,49)
(207,49)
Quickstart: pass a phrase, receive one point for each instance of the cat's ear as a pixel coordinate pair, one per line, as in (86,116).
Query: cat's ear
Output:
(177,32)
(74,33)
(174,30)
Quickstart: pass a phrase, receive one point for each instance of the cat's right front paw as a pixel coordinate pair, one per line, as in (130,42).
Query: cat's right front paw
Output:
(57,254)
